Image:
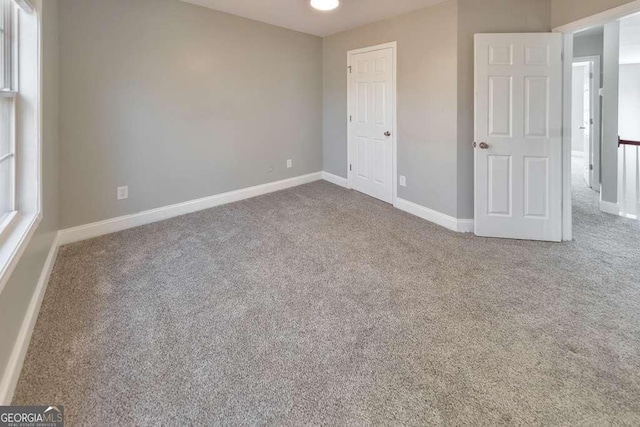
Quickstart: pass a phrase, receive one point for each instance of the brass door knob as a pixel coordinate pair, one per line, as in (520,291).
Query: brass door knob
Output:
(387,133)
(484,145)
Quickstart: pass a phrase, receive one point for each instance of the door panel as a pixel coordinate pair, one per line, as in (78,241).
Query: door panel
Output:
(500,185)
(371,109)
(518,119)
(536,180)
(500,109)
(536,107)
(363,160)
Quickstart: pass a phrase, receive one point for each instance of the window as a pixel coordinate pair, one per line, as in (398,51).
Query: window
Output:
(8,94)
(20,129)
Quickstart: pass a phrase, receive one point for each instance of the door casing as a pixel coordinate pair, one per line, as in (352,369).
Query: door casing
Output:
(394,132)
(595,136)
(568,31)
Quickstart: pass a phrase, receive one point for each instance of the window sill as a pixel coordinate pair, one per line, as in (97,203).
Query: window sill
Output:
(14,241)
(6,221)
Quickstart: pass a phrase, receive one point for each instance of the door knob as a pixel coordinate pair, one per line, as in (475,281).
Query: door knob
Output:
(387,133)
(483,145)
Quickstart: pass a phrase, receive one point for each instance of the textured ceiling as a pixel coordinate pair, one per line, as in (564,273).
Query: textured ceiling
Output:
(300,16)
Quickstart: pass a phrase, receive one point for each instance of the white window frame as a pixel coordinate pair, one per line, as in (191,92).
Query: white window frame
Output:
(9,90)
(26,216)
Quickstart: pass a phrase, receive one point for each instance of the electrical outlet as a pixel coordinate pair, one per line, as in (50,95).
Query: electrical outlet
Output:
(271,167)
(123,193)
(403,181)
(289,164)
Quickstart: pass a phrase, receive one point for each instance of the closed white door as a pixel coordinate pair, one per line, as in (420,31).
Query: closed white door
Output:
(518,141)
(371,123)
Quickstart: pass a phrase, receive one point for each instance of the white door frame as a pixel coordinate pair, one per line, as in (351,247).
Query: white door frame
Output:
(568,30)
(594,135)
(394,131)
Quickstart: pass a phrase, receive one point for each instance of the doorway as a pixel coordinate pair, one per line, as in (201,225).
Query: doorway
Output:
(372,135)
(585,135)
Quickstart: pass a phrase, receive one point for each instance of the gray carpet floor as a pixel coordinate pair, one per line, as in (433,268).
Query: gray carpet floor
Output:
(318,305)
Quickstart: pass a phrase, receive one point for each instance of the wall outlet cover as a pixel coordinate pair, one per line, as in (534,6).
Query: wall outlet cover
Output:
(403,181)
(289,164)
(123,193)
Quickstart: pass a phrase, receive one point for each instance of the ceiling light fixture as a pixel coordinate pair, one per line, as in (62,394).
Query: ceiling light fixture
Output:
(325,4)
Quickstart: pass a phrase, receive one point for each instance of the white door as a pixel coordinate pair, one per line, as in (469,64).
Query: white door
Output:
(518,120)
(584,107)
(371,123)
(580,106)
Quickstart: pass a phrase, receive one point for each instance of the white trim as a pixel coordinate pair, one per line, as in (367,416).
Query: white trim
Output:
(577,154)
(125,222)
(6,221)
(596,143)
(568,30)
(335,179)
(446,221)
(14,366)
(610,208)
(394,132)
(14,243)
(40,111)
(600,18)
(16,236)
(25,5)
(567,124)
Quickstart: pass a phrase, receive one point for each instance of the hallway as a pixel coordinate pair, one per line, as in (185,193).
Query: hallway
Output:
(589,222)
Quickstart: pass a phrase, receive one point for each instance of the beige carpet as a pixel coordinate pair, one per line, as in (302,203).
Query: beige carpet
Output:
(318,305)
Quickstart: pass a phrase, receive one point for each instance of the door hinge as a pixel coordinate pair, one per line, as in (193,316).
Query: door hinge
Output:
(350,168)
(590,167)
(591,75)
(590,121)
(350,118)
(349,67)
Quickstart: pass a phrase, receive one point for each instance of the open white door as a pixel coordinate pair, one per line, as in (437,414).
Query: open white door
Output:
(518,134)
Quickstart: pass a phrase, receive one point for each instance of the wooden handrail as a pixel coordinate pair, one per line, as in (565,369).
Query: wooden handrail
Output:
(627,142)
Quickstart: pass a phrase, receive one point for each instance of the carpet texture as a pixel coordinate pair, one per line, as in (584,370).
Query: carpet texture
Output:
(318,305)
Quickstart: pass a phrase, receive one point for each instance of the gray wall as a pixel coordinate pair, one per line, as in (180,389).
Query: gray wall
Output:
(485,16)
(426,101)
(179,102)
(590,45)
(435,93)
(567,11)
(16,295)
(611,67)
(629,102)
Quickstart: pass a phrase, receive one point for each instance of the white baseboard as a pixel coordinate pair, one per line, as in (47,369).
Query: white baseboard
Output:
(14,366)
(466,226)
(335,179)
(88,231)
(446,221)
(609,207)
